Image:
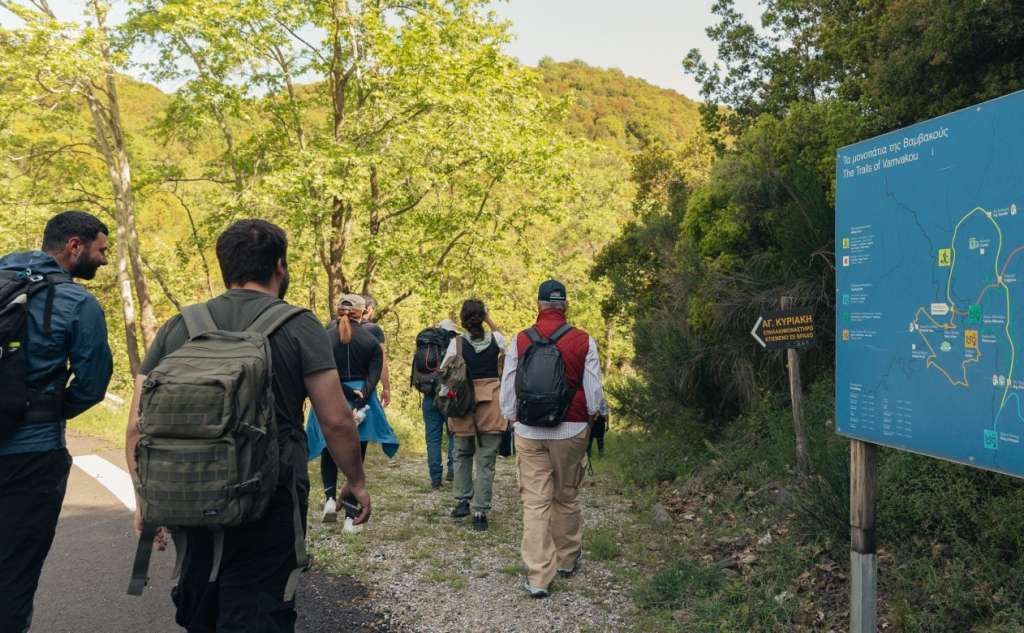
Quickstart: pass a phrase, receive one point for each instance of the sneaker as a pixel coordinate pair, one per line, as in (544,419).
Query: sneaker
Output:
(569,573)
(535,592)
(480,522)
(435,485)
(461,509)
(330,514)
(350,527)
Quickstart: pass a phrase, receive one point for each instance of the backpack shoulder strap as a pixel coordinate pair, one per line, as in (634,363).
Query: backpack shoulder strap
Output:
(51,282)
(534,334)
(458,354)
(560,332)
(140,568)
(198,320)
(273,317)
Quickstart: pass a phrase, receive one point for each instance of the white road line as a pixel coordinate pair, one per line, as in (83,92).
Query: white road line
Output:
(114,479)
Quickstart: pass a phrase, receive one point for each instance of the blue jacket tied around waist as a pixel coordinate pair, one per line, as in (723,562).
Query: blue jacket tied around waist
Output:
(375,427)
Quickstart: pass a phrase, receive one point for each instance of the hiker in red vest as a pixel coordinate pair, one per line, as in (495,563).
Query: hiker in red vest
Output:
(552,390)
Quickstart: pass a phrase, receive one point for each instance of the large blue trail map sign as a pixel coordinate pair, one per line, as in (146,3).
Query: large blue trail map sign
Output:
(930,287)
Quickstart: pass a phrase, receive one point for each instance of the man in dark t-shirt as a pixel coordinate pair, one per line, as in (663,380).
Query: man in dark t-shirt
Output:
(375,330)
(298,348)
(254,590)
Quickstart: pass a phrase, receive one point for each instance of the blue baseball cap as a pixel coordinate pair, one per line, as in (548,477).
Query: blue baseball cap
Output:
(551,290)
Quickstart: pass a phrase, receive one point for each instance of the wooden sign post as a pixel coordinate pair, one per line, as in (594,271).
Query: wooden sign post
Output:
(796,396)
(863,549)
(790,329)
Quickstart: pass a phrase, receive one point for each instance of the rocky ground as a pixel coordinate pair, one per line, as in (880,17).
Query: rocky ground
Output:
(426,572)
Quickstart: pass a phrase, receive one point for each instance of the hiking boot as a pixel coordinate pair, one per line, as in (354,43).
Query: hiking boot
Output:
(461,509)
(535,592)
(480,522)
(569,573)
(436,484)
(450,476)
(330,514)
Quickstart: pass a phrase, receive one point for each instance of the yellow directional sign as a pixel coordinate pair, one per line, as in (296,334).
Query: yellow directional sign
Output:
(785,329)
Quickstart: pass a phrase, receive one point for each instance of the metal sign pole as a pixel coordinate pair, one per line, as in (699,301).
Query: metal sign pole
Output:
(863,549)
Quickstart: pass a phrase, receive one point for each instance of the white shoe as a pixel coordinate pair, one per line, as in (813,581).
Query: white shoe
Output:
(350,527)
(330,514)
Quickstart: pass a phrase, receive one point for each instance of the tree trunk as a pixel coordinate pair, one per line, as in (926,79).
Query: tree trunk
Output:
(107,121)
(341,225)
(375,221)
(124,286)
(127,195)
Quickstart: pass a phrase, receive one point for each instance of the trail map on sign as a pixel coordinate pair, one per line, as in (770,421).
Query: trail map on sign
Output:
(930,287)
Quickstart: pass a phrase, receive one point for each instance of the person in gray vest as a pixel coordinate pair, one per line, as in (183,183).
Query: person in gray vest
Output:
(254,585)
(66,337)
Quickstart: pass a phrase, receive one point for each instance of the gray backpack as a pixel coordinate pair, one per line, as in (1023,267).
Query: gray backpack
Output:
(209,453)
(455,396)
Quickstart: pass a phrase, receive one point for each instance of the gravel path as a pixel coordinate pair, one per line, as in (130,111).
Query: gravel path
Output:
(430,573)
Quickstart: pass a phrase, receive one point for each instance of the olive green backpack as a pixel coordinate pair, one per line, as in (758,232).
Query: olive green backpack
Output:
(209,453)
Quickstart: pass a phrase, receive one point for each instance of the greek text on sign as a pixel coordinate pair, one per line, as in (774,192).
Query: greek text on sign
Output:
(784,329)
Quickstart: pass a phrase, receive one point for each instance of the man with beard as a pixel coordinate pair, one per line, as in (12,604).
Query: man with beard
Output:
(243,577)
(65,337)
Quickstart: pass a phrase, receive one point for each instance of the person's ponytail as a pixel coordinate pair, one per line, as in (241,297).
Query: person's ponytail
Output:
(344,329)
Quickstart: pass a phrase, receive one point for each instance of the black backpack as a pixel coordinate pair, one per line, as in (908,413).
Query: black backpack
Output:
(19,404)
(431,345)
(541,391)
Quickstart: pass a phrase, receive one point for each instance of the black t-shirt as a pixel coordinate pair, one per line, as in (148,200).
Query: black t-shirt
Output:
(299,347)
(360,359)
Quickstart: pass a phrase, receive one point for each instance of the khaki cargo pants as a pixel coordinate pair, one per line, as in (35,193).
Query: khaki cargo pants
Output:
(550,472)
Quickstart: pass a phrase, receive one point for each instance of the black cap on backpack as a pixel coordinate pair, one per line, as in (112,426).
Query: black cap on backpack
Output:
(551,290)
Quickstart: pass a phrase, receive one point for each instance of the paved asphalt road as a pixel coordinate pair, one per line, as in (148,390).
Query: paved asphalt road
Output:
(82,589)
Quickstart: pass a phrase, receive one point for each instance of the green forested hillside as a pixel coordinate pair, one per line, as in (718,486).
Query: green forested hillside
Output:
(178,171)
(617,110)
